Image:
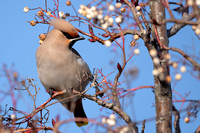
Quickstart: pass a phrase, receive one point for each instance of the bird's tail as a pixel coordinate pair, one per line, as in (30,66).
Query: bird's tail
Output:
(79,113)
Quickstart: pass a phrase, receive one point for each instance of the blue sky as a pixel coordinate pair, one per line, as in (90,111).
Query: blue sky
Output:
(19,42)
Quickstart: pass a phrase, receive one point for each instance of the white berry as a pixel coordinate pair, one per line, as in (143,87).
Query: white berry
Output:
(198,2)
(104,26)
(137,51)
(48,13)
(112,116)
(118,5)
(190,2)
(26,9)
(178,76)
(110,21)
(41,41)
(111,122)
(156,61)
(197,31)
(93,8)
(175,65)
(153,52)
(100,16)
(111,8)
(136,37)
(186,119)
(155,72)
(61,14)
(118,19)
(13,116)
(107,43)
(138,8)
(82,7)
(103,120)
(183,69)
(88,16)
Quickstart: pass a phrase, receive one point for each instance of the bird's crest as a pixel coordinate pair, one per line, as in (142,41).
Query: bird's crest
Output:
(64,26)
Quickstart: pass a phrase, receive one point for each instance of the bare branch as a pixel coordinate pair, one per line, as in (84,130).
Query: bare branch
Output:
(143,126)
(180,24)
(44,128)
(113,35)
(198,130)
(132,7)
(177,119)
(110,106)
(187,57)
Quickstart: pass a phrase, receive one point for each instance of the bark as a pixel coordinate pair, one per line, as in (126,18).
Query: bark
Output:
(163,94)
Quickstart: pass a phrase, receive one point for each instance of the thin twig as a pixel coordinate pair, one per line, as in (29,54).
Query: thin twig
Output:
(143,126)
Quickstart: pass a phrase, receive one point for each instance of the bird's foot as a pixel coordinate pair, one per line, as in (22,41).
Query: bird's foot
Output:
(98,92)
(51,92)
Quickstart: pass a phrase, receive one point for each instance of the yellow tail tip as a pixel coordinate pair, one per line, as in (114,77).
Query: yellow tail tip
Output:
(80,124)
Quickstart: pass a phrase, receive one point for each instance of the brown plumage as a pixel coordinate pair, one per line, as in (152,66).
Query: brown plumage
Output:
(64,26)
(60,67)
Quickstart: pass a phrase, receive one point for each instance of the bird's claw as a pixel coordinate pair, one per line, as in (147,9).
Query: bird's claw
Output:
(51,92)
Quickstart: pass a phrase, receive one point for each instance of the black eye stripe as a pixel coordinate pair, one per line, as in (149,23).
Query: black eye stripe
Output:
(68,36)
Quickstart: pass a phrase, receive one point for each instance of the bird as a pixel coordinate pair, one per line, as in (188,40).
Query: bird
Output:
(60,67)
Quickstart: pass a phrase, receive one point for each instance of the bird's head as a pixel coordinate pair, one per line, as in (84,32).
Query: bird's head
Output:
(68,30)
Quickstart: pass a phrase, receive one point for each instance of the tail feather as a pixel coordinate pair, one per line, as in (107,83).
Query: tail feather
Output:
(78,111)
(79,114)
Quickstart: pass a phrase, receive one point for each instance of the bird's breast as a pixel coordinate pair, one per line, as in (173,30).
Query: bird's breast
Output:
(62,71)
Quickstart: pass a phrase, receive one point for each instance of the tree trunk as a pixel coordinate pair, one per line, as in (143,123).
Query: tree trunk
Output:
(163,94)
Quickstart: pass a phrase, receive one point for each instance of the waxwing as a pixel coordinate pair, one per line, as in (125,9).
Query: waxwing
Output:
(60,67)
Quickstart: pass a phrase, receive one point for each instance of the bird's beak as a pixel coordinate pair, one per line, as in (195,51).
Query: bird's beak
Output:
(81,38)
(72,41)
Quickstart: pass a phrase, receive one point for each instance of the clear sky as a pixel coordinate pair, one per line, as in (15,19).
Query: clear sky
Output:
(19,42)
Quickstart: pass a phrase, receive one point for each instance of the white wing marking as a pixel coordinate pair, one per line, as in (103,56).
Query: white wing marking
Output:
(81,62)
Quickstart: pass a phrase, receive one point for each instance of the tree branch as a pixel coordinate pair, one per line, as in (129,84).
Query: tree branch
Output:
(187,57)
(111,106)
(137,20)
(177,119)
(113,35)
(176,27)
(163,93)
